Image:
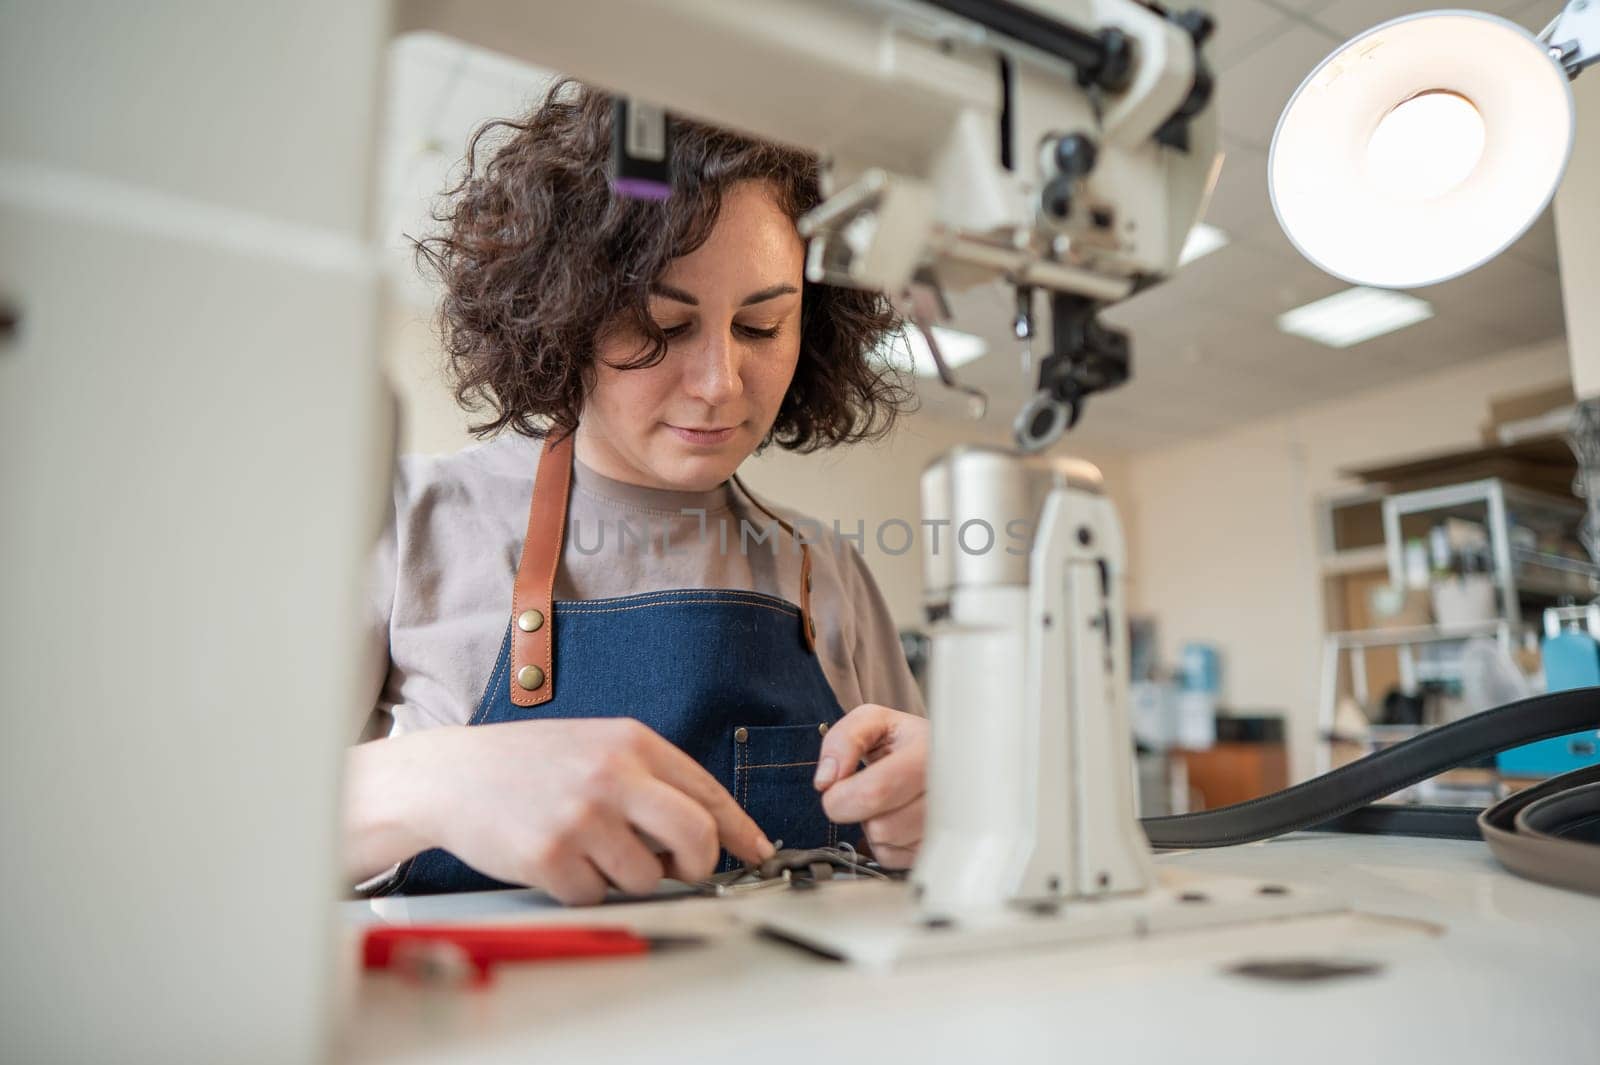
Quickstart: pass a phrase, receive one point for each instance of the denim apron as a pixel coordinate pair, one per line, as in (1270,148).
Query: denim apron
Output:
(730,677)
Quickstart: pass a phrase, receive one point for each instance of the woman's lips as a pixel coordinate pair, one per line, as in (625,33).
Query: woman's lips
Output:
(703,437)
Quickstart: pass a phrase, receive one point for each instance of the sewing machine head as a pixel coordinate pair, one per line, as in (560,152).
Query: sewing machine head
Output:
(1106,154)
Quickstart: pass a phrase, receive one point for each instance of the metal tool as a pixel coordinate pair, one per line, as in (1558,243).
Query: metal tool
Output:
(793,868)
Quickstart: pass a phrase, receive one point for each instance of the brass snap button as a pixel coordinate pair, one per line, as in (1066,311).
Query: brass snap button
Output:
(811,625)
(741,734)
(822,729)
(529,620)
(530,677)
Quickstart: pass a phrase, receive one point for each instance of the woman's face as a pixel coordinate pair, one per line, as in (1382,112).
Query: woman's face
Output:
(731,313)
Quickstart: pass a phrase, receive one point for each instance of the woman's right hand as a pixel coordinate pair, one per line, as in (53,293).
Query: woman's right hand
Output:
(563,805)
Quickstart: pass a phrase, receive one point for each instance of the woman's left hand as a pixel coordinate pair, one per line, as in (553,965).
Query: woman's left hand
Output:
(886,796)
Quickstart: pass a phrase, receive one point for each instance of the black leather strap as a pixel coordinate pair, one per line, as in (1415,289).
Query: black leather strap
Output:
(1384,773)
(1431,822)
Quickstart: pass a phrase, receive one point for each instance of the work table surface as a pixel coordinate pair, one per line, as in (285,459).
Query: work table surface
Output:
(1472,965)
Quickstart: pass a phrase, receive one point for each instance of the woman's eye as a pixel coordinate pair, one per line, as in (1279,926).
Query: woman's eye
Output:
(673,332)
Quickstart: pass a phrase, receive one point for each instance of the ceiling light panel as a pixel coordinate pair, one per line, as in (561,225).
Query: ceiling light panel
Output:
(1354,315)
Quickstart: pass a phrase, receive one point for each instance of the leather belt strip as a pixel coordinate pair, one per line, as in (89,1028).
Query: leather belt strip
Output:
(1549,832)
(1395,819)
(1353,786)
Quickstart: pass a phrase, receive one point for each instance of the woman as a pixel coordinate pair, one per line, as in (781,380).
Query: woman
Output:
(656,698)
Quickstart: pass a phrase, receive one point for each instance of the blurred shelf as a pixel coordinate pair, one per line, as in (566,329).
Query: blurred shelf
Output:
(1388,735)
(1552,575)
(1355,560)
(1412,635)
(1524,543)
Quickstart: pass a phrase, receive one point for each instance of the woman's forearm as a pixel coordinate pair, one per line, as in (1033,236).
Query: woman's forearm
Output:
(386,803)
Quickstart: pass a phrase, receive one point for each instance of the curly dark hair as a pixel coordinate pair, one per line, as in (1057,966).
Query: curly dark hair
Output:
(538,256)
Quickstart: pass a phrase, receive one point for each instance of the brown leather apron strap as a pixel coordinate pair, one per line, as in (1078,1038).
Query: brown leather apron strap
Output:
(532,673)
(808,627)
(532,628)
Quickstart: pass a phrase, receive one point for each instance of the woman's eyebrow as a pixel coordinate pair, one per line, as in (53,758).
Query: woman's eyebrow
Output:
(680,296)
(770,293)
(677,294)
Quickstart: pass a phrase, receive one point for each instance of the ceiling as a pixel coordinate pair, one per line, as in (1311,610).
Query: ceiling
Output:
(1207,354)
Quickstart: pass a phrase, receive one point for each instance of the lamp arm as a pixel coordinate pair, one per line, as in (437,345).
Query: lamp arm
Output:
(1573,36)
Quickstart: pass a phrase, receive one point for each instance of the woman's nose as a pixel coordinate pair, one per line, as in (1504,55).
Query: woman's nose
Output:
(712,373)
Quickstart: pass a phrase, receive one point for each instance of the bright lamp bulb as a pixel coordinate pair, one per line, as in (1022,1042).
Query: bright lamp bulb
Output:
(1426,146)
(1421,149)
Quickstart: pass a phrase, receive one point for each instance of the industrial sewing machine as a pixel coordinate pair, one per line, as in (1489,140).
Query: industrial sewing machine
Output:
(1064,149)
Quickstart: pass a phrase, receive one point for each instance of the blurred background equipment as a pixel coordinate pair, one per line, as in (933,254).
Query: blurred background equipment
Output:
(1195,752)
(1199,689)
(1570,652)
(1448,617)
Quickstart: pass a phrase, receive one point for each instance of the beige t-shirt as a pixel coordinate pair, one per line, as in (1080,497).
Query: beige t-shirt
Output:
(445,568)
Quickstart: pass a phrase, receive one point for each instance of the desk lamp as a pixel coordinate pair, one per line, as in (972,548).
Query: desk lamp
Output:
(1424,147)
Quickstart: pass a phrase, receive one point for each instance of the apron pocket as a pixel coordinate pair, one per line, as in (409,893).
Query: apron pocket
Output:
(773,767)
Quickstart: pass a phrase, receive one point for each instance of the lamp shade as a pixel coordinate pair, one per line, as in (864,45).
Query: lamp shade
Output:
(1421,148)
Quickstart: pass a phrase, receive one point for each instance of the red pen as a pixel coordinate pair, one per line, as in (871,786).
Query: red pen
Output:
(467,953)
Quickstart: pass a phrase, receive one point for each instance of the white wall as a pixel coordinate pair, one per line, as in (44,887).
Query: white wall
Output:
(1221,530)
(430,421)
(1578,237)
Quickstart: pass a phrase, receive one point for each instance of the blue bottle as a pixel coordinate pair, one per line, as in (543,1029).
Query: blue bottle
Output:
(1571,660)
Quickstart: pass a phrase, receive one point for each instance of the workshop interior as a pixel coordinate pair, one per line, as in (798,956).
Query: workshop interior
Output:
(1274,733)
